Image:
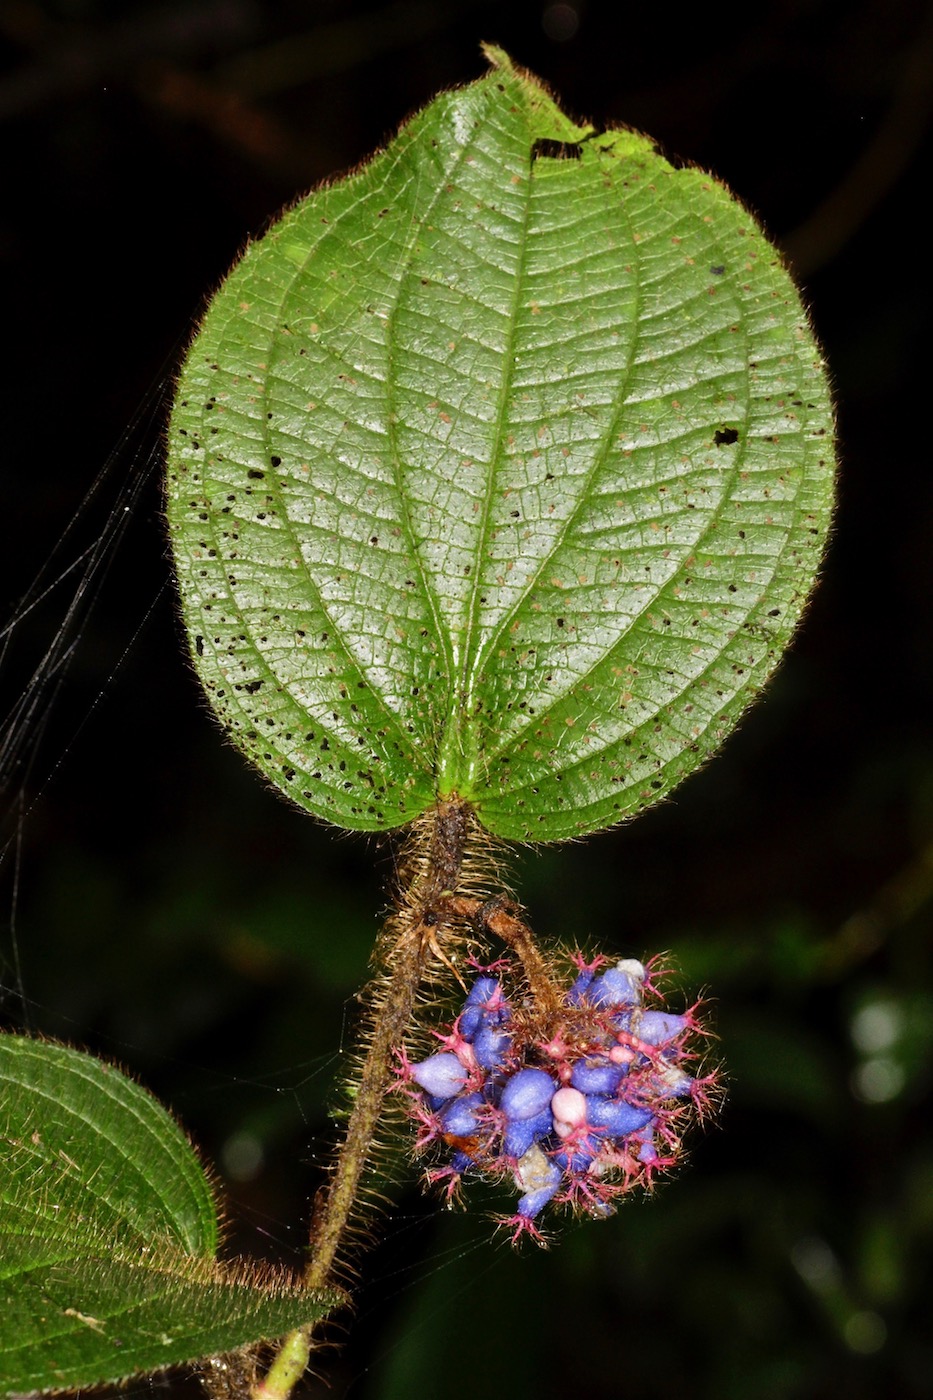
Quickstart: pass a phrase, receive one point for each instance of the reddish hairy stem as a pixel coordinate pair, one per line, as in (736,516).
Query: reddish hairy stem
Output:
(500,917)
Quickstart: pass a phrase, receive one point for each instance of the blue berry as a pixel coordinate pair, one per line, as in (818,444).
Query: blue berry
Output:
(520,1133)
(597,1075)
(441,1075)
(659,1027)
(617,1117)
(579,1110)
(527,1093)
(491,1047)
(618,986)
(460,1118)
(483,989)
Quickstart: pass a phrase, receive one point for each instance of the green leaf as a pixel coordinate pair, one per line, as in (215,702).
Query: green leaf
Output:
(501,467)
(108,1234)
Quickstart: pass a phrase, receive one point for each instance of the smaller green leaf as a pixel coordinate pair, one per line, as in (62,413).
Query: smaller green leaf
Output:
(109,1233)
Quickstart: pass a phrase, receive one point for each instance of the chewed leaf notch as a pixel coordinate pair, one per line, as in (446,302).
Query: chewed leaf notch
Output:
(503,468)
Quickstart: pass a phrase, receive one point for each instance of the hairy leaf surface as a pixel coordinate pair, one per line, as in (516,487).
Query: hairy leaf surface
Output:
(108,1233)
(501,467)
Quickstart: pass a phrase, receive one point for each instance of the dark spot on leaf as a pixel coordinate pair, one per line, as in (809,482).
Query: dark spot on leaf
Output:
(199,645)
(276,462)
(255,475)
(717,270)
(725,437)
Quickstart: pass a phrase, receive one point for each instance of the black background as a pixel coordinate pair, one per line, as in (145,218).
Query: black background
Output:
(165,909)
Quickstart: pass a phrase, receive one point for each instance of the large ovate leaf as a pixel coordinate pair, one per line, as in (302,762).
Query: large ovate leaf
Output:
(501,467)
(108,1234)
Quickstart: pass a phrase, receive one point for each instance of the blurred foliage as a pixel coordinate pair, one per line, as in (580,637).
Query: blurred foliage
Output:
(171,913)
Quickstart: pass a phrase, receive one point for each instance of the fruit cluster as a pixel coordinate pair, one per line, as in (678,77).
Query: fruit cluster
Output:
(575,1110)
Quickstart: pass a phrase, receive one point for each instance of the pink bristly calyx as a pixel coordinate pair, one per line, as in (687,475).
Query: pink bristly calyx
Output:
(576,1113)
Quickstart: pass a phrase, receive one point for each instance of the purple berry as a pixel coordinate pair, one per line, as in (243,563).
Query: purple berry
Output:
(521,1133)
(597,1075)
(460,1117)
(482,990)
(485,1005)
(527,1093)
(441,1075)
(616,1117)
(619,986)
(659,1027)
(491,1046)
(578,1159)
(647,1152)
(469,1021)
(534,1201)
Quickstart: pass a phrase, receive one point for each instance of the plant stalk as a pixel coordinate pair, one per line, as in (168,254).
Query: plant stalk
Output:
(409,938)
(500,917)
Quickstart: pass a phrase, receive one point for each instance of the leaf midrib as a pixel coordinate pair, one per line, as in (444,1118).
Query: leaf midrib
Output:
(459,714)
(443,633)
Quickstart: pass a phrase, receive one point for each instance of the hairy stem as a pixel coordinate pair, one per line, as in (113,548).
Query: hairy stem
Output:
(335,1202)
(426,903)
(500,916)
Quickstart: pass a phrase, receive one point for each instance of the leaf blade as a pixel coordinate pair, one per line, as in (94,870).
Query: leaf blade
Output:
(59,1104)
(108,1234)
(541,372)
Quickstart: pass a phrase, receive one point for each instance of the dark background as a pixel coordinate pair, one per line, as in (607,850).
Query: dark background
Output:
(163,908)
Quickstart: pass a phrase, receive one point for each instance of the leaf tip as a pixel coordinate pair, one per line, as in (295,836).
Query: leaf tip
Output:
(497,58)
